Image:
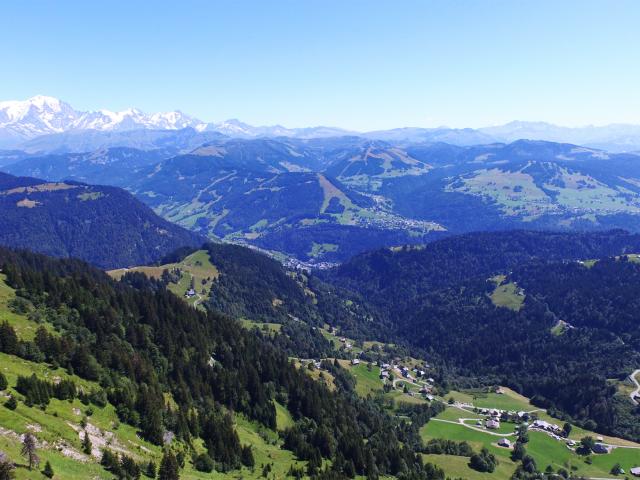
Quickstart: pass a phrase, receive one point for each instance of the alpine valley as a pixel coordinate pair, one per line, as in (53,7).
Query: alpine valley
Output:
(315,197)
(192,300)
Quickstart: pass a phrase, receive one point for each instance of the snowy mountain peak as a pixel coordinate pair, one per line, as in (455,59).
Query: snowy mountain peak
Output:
(45,101)
(21,121)
(42,115)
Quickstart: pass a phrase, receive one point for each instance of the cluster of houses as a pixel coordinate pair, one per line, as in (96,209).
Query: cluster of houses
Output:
(406,372)
(411,374)
(495,416)
(557,432)
(547,427)
(347,344)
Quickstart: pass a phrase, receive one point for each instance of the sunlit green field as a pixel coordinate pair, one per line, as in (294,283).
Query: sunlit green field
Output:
(545,449)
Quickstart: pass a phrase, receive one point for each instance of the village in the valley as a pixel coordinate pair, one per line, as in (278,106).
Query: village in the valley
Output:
(494,417)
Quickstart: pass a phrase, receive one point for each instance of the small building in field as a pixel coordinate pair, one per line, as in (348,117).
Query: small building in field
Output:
(493,424)
(504,442)
(601,448)
(635,471)
(355,361)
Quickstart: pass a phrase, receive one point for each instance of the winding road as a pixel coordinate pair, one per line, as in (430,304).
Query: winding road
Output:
(636,392)
(199,300)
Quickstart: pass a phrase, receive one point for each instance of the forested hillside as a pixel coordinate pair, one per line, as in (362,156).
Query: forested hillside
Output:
(105,226)
(251,286)
(442,298)
(170,369)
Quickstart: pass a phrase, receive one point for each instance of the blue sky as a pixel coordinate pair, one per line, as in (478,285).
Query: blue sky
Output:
(356,64)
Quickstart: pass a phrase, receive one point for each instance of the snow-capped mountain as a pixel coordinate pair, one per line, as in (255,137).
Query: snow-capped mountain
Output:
(21,121)
(42,115)
(47,124)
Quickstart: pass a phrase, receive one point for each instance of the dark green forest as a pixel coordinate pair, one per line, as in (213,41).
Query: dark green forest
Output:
(436,298)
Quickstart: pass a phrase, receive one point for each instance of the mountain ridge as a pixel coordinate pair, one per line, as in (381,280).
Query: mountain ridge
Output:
(21,121)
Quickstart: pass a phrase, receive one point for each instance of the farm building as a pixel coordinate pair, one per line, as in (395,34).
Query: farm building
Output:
(504,442)
(601,448)
(493,424)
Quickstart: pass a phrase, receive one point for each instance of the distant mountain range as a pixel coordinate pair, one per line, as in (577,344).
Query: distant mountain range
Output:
(46,124)
(21,121)
(102,225)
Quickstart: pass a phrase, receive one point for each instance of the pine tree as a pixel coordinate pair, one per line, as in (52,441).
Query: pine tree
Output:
(168,467)
(11,404)
(29,451)
(3,382)
(246,457)
(6,468)
(150,471)
(86,444)
(48,470)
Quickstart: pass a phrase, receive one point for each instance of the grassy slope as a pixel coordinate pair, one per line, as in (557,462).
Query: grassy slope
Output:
(509,400)
(506,294)
(196,267)
(53,426)
(266,327)
(23,327)
(542,447)
(367,380)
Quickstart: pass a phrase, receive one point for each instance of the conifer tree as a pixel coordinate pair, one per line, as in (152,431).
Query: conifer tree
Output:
(150,471)
(86,444)
(29,451)
(48,470)
(6,468)
(168,467)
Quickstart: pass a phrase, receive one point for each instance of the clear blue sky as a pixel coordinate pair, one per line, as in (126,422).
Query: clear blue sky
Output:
(356,64)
